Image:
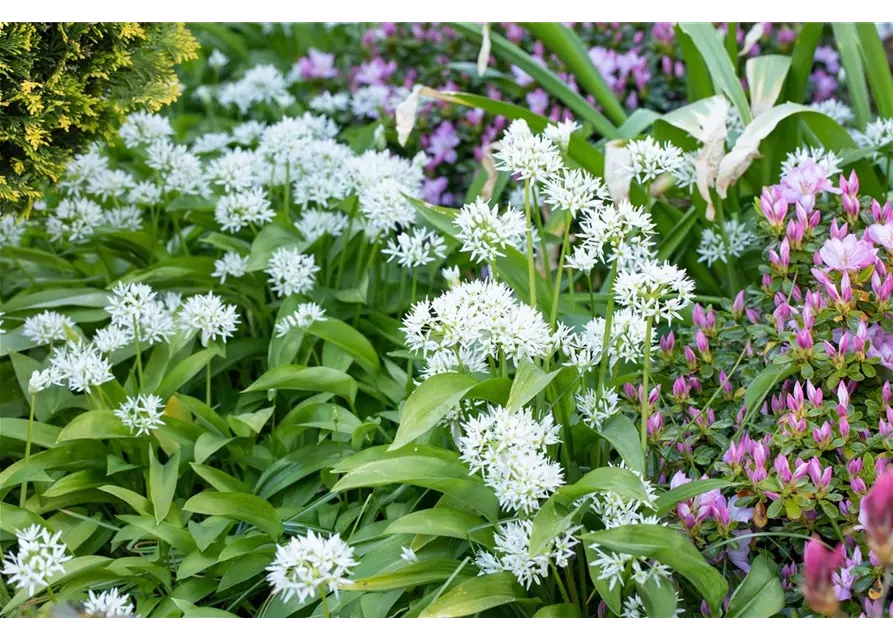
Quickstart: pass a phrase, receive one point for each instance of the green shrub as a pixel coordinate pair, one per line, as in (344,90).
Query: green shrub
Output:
(62,85)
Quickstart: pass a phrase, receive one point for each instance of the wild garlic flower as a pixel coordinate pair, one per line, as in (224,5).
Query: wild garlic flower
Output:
(616,567)
(82,170)
(385,207)
(218,59)
(141,414)
(416,249)
(826,159)
(610,231)
(248,132)
(81,365)
(110,184)
(49,327)
(142,129)
(208,314)
(712,247)
(283,142)
(584,257)
(108,604)
(836,110)
(234,211)
(180,169)
(408,555)
(685,173)
(525,155)
(633,607)
(304,316)
(329,103)
(511,552)
(309,564)
(657,291)
(74,220)
(617,511)
(236,170)
(627,341)
(145,193)
(877,134)
(314,224)
(322,174)
(575,191)
(485,233)
(212,142)
(41,380)
(231,264)
(648,159)
(11,231)
(112,338)
(371,101)
(135,308)
(560,133)
(291,272)
(464,359)
(263,83)
(595,410)
(126,218)
(451,275)
(40,556)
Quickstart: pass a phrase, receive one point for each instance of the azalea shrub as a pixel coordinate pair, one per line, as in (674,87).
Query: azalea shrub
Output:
(626,365)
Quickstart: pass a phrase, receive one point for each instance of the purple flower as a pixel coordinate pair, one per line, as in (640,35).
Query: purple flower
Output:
(442,144)
(317,64)
(375,72)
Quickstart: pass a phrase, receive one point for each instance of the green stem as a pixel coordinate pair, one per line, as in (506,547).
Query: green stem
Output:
(347,236)
(139,356)
(28,449)
(325,604)
(557,292)
(560,583)
(52,595)
(531,270)
(540,226)
(208,383)
(414,280)
(730,260)
(606,339)
(643,428)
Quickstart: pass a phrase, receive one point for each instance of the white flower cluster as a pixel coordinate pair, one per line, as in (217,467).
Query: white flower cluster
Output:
(626,343)
(621,232)
(839,111)
(576,191)
(142,129)
(307,565)
(239,209)
(314,224)
(108,604)
(712,247)
(594,409)
(418,248)
(485,233)
(11,231)
(826,159)
(291,272)
(262,84)
(209,315)
(655,290)
(141,414)
(138,312)
(230,265)
(41,555)
(525,155)
(49,327)
(329,103)
(648,159)
(81,365)
(512,552)
(510,451)
(478,319)
(877,134)
(74,220)
(304,316)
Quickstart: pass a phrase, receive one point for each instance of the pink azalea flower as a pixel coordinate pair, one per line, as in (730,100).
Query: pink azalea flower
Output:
(804,183)
(849,254)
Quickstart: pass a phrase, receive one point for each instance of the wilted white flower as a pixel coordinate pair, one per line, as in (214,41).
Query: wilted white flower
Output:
(11,231)
(141,414)
(142,129)
(145,193)
(217,59)
(560,133)
(112,338)
(485,233)
(314,224)
(74,220)
(207,313)
(305,315)
(231,264)
(525,155)
(826,159)
(511,552)
(839,111)
(329,103)
(41,555)
(415,249)
(596,410)
(135,308)
(308,564)
(291,272)
(126,218)
(49,327)
(655,291)
(408,555)
(108,604)
(81,366)
(649,159)
(713,246)
(575,191)
(243,208)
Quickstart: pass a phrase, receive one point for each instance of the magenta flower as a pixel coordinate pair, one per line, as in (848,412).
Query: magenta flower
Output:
(877,507)
(804,183)
(317,65)
(819,565)
(849,254)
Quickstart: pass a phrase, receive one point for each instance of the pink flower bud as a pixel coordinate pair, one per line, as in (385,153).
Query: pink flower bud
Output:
(738,304)
(690,357)
(804,339)
(767,282)
(783,468)
(655,423)
(702,343)
(844,428)
(753,315)
(822,435)
(841,232)
(698,317)
(819,566)
(680,389)
(667,343)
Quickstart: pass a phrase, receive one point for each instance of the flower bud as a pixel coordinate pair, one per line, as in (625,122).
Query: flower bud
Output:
(877,513)
(819,565)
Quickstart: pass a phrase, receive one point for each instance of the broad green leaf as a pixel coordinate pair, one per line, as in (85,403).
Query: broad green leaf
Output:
(706,39)
(429,403)
(760,595)
(250,422)
(76,481)
(300,378)
(624,437)
(802,60)
(529,381)
(297,465)
(73,455)
(658,596)
(13,518)
(666,502)
(346,337)
(476,595)
(847,39)
(207,444)
(42,435)
(238,506)
(565,610)
(268,240)
(669,547)
(184,371)
(53,298)
(765,78)
(191,611)
(413,575)
(331,417)
(877,67)
(443,521)
(139,503)
(162,483)
(94,425)
(697,76)
(220,480)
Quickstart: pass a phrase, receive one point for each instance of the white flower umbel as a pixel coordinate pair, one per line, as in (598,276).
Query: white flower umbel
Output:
(11,230)
(685,173)
(511,552)
(234,211)
(110,184)
(657,291)
(49,327)
(126,218)
(408,555)
(40,556)
(415,249)
(180,169)
(575,191)
(261,84)
(136,308)
(329,103)
(81,365)
(560,133)
(648,159)
(145,193)
(826,159)
(314,224)
(451,275)
(485,233)
(212,142)
(584,349)
(142,129)
(231,264)
(217,59)
(385,207)
(310,565)
(304,316)
(525,155)
(141,414)
(208,314)
(112,338)
(248,132)
(877,134)
(41,380)
(74,220)
(108,604)
(236,170)
(82,170)
(595,410)
(839,111)
(609,232)
(712,247)
(291,272)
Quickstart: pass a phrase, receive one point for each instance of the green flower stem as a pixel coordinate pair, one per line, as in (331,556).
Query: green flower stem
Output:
(24,493)
(414,280)
(559,583)
(537,216)
(606,338)
(570,287)
(343,257)
(139,357)
(564,246)
(325,605)
(286,189)
(643,428)
(208,383)
(531,271)
(730,260)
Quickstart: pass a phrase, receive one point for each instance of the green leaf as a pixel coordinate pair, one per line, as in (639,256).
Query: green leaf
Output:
(672,549)
(666,502)
(529,381)
(220,480)
(300,378)
(556,515)
(184,371)
(658,596)
(346,337)
(268,240)
(238,506)
(163,482)
(877,67)
(760,595)
(413,575)
(765,78)
(760,386)
(429,403)
(53,298)
(802,60)
(848,46)
(706,39)
(443,521)
(697,75)
(139,504)
(94,425)
(565,610)
(42,435)
(13,518)
(475,595)
(191,611)
(624,437)
(297,465)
